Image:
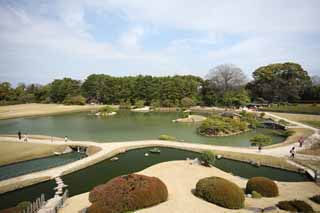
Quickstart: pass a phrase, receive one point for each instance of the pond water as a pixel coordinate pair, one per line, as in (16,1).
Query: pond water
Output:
(133,161)
(125,126)
(25,167)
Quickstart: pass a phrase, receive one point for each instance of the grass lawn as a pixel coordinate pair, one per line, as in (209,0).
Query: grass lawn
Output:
(276,162)
(12,152)
(299,108)
(312,120)
(25,110)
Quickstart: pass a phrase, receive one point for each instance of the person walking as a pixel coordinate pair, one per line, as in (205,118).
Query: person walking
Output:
(65,139)
(301,141)
(259,147)
(19,135)
(292,152)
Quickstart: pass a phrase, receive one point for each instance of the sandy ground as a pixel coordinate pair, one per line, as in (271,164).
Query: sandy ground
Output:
(26,110)
(12,152)
(181,177)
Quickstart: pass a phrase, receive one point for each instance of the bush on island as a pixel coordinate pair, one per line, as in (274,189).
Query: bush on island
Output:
(261,139)
(207,158)
(221,192)
(127,193)
(107,109)
(74,100)
(139,103)
(218,125)
(295,206)
(167,138)
(264,186)
(125,104)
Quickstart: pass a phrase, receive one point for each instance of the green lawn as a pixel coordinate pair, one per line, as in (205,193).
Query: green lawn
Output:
(295,108)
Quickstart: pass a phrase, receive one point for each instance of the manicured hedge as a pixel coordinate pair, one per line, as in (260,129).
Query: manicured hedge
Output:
(220,192)
(263,186)
(127,193)
(295,206)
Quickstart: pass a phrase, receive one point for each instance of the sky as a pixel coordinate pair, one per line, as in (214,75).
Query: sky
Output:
(43,40)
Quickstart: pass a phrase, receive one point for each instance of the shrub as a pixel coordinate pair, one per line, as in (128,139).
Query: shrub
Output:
(74,100)
(155,104)
(168,103)
(256,194)
(207,158)
(262,114)
(218,125)
(125,104)
(167,138)
(261,139)
(220,192)
(139,103)
(262,185)
(316,199)
(127,193)
(295,206)
(23,205)
(107,109)
(187,102)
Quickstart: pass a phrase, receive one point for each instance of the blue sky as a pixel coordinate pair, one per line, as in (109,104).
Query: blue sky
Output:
(44,40)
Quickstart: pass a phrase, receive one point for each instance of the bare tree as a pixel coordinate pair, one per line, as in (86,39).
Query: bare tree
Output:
(226,77)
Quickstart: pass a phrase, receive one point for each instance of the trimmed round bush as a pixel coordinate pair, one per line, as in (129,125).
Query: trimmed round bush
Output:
(264,186)
(295,206)
(127,193)
(220,192)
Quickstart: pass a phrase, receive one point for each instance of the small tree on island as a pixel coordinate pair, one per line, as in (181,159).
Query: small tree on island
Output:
(261,140)
(139,103)
(207,158)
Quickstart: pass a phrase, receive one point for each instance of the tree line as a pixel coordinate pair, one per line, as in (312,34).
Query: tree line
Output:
(224,85)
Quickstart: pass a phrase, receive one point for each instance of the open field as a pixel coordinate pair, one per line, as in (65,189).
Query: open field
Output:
(312,120)
(299,108)
(26,110)
(12,152)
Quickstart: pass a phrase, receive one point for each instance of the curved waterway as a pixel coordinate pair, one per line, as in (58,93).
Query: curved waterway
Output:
(125,126)
(26,167)
(133,161)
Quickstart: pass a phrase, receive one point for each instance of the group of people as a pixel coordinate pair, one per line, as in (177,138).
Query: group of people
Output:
(25,137)
(293,149)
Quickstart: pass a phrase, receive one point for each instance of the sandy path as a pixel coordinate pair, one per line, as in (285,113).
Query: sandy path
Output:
(180,177)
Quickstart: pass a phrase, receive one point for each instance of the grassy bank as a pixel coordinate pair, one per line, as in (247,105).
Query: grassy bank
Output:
(26,110)
(297,108)
(12,152)
(312,120)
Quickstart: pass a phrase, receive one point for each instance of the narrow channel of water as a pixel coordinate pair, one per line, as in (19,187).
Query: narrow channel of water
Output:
(26,167)
(134,161)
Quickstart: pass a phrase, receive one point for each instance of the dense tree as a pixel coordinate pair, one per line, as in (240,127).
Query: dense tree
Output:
(60,89)
(236,98)
(279,82)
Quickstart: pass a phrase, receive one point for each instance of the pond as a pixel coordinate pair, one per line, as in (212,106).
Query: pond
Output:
(125,126)
(25,167)
(133,161)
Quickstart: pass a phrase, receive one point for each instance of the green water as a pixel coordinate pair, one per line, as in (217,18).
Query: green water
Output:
(25,167)
(133,161)
(125,126)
